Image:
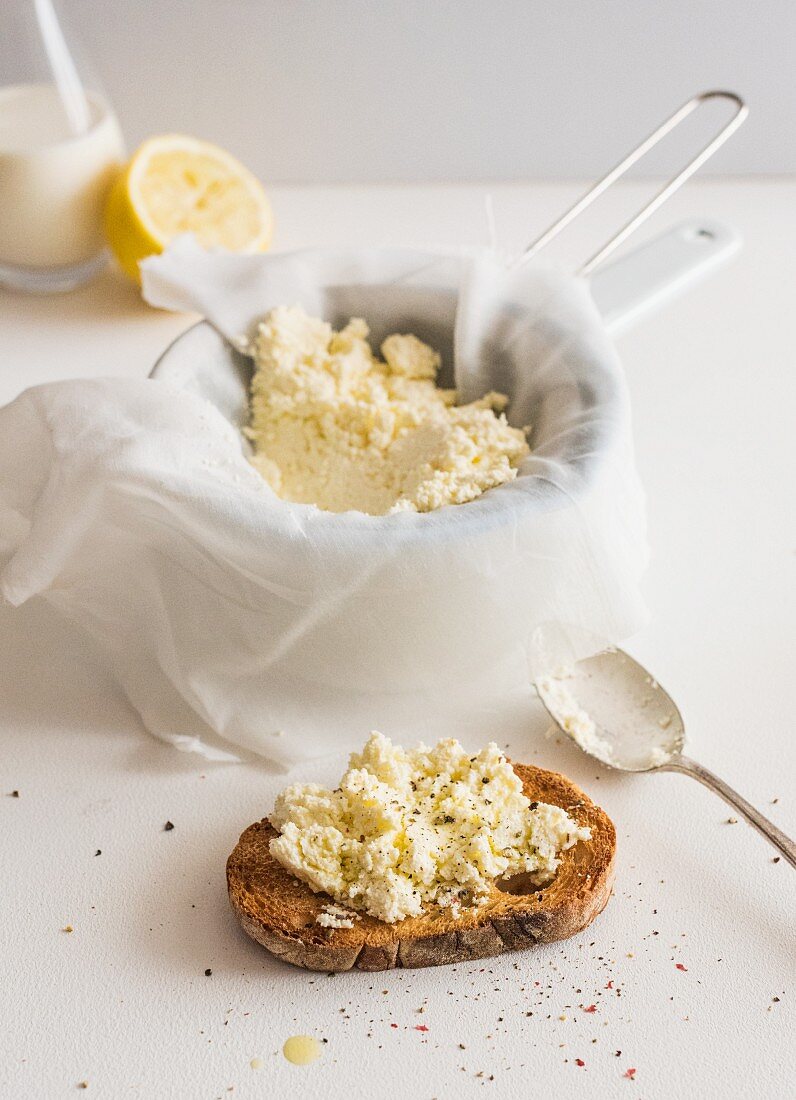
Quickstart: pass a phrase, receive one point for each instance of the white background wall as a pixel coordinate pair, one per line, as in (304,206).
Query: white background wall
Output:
(328,90)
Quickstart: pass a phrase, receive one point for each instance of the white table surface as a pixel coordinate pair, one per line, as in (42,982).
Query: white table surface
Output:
(123,1001)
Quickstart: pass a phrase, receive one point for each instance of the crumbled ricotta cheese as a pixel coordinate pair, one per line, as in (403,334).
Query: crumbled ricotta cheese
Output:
(332,916)
(407,829)
(571,717)
(658,756)
(335,426)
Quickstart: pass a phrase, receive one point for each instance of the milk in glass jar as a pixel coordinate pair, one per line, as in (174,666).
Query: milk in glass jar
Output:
(60,150)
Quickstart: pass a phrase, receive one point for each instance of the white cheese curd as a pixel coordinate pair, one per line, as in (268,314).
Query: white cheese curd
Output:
(333,916)
(571,716)
(408,829)
(335,426)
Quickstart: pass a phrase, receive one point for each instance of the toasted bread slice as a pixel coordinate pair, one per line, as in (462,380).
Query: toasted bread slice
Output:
(279,911)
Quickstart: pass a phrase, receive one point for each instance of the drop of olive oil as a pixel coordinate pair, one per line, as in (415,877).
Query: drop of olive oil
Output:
(301,1049)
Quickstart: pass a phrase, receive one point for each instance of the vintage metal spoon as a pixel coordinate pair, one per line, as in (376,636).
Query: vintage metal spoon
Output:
(617,712)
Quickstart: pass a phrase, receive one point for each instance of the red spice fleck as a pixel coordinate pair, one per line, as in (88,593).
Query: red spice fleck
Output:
(610,985)
(680,966)
(393,1025)
(420,1027)
(590,1008)
(579,1062)
(630,1074)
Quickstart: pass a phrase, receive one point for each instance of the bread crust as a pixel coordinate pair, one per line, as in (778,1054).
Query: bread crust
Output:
(279,911)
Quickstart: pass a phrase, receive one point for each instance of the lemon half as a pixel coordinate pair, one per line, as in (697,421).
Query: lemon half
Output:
(176,184)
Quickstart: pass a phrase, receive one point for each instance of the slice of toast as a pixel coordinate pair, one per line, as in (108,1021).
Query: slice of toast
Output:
(279,911)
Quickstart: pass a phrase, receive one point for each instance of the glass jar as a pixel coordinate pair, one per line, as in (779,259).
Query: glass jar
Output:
(60,150)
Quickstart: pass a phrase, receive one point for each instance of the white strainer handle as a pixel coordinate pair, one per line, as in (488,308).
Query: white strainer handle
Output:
(740,113)
(649,276)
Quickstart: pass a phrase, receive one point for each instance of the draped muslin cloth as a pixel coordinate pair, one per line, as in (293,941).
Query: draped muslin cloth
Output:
(235,620)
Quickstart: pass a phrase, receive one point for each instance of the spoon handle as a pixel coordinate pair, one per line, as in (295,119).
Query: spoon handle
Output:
(781,842)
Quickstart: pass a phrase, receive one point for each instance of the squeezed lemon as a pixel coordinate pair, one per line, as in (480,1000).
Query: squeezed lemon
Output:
(177,184)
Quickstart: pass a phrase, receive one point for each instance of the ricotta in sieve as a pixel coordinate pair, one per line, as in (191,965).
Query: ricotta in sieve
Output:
(335,426)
